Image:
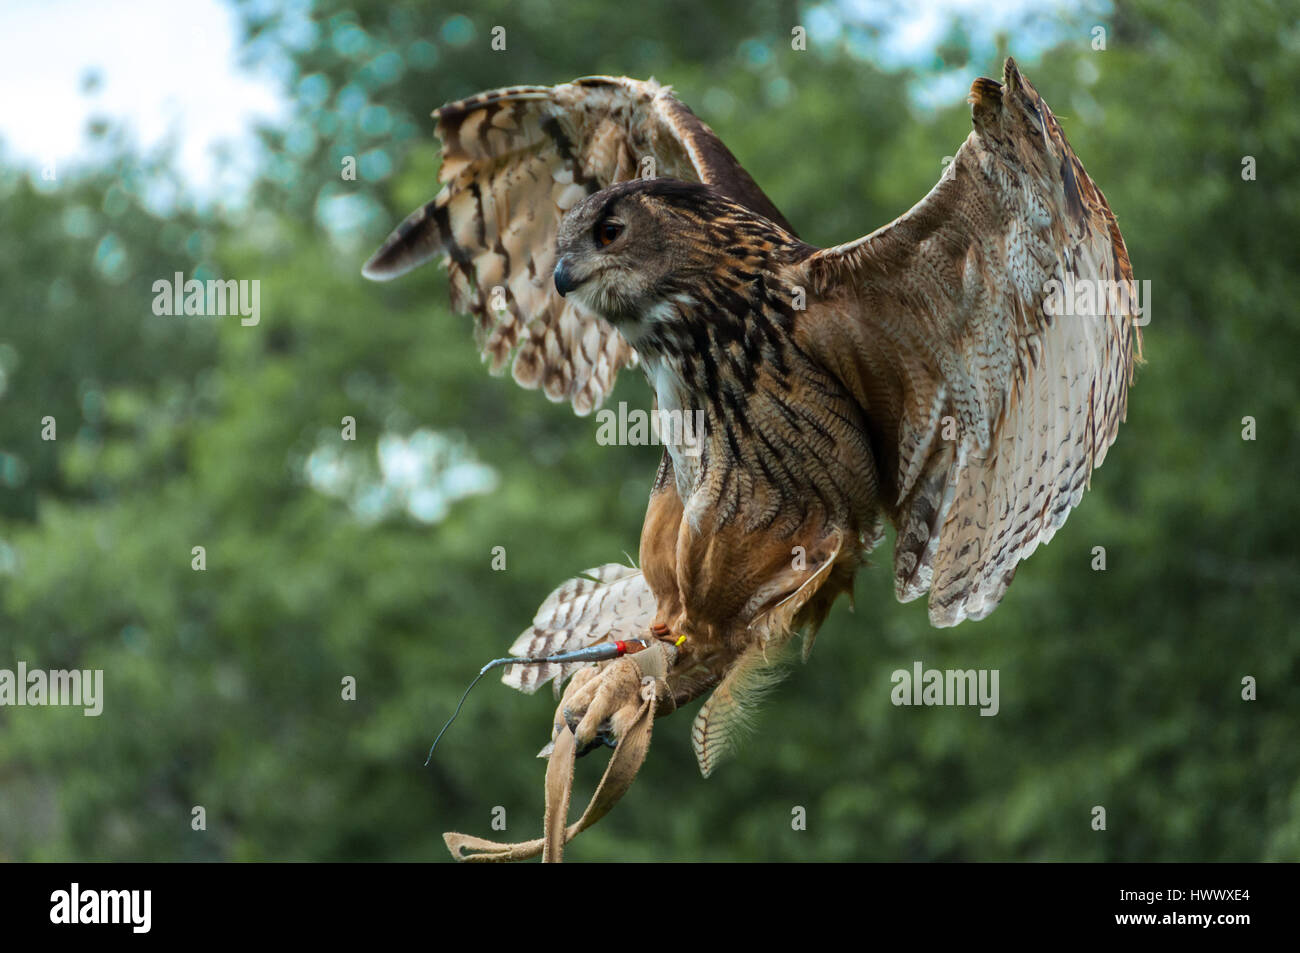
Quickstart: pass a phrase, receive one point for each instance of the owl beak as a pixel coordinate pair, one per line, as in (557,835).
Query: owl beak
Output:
(564,282)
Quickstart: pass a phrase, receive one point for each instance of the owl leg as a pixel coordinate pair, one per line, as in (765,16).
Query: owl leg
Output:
(601,702)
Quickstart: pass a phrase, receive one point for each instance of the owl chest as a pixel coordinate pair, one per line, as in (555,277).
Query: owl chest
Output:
(771,481)
(681,421)
(788,453)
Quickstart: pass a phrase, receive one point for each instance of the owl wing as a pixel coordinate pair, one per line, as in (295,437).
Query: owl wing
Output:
(604,604)
(514,161)
(989,408)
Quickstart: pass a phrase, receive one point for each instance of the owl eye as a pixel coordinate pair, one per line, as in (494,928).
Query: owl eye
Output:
(607,231)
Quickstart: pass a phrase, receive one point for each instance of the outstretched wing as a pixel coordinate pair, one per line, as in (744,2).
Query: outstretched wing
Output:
(988,410)
(513,162)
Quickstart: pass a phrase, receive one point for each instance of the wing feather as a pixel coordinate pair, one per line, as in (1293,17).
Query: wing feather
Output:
(514,160)
(948,316)
(607,603)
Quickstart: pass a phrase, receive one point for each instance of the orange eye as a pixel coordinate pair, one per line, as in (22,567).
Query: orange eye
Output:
(607,231)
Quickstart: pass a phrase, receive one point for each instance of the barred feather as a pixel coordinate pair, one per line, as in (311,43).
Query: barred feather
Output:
(605,604)
(945,310)
(514,161)
(727,717)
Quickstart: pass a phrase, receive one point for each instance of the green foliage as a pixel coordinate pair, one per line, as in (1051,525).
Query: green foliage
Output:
(223,687)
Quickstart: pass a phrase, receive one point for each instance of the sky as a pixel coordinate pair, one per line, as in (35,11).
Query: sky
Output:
(170,69)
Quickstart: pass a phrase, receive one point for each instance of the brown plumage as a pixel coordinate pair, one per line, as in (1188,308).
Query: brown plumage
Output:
(915,375)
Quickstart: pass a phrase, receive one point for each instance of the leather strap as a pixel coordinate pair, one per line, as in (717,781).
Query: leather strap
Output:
(623,766)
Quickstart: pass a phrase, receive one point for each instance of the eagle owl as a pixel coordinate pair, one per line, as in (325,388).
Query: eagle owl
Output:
(918,375)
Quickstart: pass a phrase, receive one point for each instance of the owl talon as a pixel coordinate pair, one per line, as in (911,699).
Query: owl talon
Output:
(603,701)
(603,739)
(597,707)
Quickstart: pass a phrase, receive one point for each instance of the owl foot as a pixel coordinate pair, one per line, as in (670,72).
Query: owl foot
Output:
(602,701)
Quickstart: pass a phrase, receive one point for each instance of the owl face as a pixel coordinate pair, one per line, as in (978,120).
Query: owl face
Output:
(628,252)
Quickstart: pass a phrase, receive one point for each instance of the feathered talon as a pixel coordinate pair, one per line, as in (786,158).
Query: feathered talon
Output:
(602,701)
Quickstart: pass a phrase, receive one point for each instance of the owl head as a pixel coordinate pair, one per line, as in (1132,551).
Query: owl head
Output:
(635,253)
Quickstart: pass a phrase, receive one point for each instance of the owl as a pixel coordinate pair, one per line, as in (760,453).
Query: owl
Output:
(930,375)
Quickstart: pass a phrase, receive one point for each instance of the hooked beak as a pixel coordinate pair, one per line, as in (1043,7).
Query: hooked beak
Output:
(564,282)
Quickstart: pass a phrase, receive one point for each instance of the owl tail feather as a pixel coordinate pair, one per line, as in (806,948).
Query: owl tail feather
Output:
(726,717)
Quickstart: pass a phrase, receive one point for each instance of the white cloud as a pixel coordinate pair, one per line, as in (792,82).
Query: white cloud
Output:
(167,69)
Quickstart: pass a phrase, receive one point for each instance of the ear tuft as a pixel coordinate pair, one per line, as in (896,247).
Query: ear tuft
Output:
(1011,74)
(986,102)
